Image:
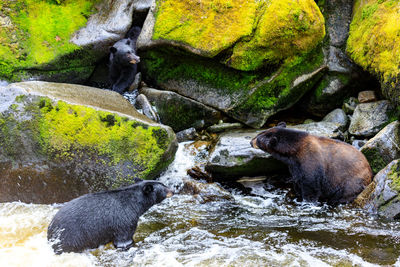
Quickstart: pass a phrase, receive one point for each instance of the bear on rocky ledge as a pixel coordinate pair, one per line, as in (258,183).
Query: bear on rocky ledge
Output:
(322,169)
(123,61)
(99,218)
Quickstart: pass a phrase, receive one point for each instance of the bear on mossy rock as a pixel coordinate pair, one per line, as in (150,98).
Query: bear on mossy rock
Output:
(99,218)
(123,61)
(322,169)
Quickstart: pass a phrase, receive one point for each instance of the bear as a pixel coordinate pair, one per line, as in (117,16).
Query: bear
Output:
(98,218)
(322,169)
(123,61)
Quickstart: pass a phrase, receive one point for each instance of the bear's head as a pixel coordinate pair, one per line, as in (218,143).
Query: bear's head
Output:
(123,53)
(154,192)
(268,139)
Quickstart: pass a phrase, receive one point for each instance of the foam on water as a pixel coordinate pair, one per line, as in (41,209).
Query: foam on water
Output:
(262,229)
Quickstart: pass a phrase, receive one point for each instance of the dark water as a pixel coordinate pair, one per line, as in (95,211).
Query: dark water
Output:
(217,228)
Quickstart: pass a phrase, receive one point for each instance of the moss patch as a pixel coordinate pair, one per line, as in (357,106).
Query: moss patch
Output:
(374,38)
(395,177)
(66,130)
(37,32)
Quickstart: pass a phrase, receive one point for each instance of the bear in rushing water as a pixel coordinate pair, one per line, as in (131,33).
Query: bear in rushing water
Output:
(123,61)
(322,169)
(99,218)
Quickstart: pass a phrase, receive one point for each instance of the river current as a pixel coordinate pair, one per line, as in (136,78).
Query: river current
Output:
(227,228)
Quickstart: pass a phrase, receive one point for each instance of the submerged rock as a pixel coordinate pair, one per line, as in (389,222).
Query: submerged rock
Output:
(369,118)
(60,141)
(383,147)
(382,196)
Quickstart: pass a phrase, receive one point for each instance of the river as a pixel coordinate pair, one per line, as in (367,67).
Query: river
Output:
(231,228)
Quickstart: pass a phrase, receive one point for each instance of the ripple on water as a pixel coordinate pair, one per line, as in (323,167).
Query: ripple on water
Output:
(262,229)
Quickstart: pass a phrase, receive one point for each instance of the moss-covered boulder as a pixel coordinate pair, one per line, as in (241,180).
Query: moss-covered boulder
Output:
(60,141)
(248,59)
(58,40)
(374,42)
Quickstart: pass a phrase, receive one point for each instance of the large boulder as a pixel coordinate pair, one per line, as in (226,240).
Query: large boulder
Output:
(369,118)
(59,40)
(382,196)
(248,59)
(60,141)
(374,42)
(383,147)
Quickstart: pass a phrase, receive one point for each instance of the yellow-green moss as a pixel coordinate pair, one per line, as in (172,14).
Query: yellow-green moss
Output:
(374,39)
(258,31)
(207,25)
(36,32)
(66,130)
(286,28)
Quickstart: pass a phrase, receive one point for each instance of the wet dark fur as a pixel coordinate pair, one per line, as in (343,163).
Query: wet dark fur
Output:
(99,218)
(121,69)
(322,169)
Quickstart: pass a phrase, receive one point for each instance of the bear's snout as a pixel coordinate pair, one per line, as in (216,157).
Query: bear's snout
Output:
(169,193)
(253,142)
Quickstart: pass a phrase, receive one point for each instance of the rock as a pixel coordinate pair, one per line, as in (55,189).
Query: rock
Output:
(60,141)
(135,85)
(366,96)
(383,147)
(369,118)
(186,135)
(222,127)
(358,143)
(350,105)
(322,128)
(181,112)
(143,103)
(381,54)
(254,34)
(233,157)
(382,196)
(337,116)
(205,192)
(73,42)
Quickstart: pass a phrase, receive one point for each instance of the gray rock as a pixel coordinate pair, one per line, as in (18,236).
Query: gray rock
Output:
(369,118)
(135,85)
(59,141)
(186,135)
(337,116)
(143,103)
(322,128)
(358,143)
(338,17)
(382,196)
(181,112)
(222,127)
(383,147)
(350,105)
(233,157)
(338,61)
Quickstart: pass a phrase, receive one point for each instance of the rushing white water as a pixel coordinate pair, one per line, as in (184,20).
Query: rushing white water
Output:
(262,229)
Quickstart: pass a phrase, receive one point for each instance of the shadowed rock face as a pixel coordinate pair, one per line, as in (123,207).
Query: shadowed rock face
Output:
(61,140)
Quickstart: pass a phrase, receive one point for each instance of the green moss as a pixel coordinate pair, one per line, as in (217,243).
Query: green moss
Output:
(374,38)
(395,177)
(65,131)
(38,32)
(375,159)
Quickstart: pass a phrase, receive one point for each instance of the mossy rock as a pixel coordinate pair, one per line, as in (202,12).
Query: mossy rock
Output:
(62,139)
(248,96)
(374,42)
(250,34)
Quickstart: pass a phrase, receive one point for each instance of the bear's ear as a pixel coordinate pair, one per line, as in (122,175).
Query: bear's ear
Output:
(282,124)
(273,141)
(148,188)
(113,49)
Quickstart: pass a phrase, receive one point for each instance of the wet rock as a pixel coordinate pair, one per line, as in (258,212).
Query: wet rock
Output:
(143,103)
(186,135)
(135,85)
(222,127)
(382,196)
(337,116)
(60,141)
(338,61)
(233,157)
(199,174)
(383,147)
(180,112)
(205,192)
(350,105)
(366,96)
(369,118)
